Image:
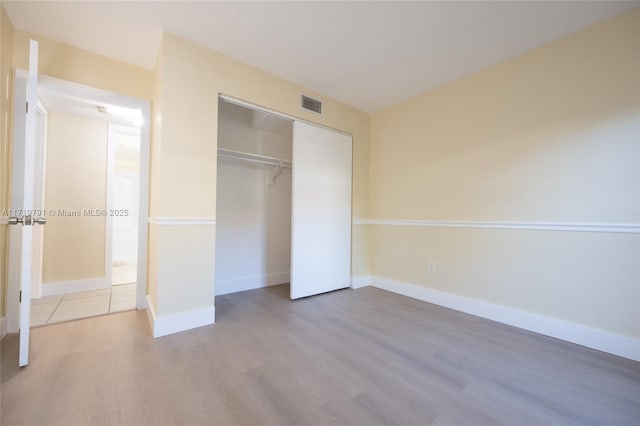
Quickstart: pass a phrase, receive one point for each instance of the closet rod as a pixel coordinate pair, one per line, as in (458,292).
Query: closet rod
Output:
(253,158)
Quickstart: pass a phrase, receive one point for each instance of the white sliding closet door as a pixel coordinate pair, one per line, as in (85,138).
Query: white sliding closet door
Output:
(321,211)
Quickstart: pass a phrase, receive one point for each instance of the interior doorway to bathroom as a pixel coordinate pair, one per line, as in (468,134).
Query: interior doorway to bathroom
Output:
(92,187)
(125,176)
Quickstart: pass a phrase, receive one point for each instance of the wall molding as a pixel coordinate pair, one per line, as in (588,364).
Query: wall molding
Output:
(361,281)
(251,282)
(3,327)
(623,228)
(601,340)
(61,287)
(182,221)
(181,321)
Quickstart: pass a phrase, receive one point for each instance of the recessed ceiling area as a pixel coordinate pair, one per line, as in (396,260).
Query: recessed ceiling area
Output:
(366,54)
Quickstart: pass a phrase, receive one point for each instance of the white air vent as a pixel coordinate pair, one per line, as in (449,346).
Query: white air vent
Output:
(311,104)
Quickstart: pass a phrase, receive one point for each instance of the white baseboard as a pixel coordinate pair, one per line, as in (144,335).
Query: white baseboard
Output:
(361,281)
(250,283)
(615,344)
(142,305)
(3,327)
(151,313)
(61,287)
(182,321)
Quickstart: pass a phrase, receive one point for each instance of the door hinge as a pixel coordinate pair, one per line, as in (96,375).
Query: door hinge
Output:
(27,107)
(20,296)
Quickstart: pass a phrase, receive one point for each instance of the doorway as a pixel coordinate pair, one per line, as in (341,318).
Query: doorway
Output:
(92,154)
(124,175)
(283,202)
(253,208)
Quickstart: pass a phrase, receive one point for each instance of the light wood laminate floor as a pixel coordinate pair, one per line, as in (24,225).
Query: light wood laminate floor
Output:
(352,357)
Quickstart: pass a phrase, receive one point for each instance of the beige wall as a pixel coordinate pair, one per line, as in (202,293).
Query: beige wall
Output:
(76,179)
(6,117)
(549,136)
(60,60)
(184,158)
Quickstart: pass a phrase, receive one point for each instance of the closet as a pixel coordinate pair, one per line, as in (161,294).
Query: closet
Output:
(283,203)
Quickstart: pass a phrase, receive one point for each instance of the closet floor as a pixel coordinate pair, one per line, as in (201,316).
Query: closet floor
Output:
(71,306)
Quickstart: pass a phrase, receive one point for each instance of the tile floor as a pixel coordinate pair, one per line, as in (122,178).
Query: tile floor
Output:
(124,273)
(70,306)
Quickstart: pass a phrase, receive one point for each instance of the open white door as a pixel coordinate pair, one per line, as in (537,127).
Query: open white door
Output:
(23,207)
(321,211)
(38,199)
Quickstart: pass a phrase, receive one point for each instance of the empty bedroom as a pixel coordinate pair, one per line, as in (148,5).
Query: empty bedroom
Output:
(337,213)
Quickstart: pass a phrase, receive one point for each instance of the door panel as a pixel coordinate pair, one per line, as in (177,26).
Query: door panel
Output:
(38,200)
(17,189)
(23,203)
(321,211)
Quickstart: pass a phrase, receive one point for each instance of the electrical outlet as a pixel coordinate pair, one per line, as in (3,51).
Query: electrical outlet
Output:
(431,267)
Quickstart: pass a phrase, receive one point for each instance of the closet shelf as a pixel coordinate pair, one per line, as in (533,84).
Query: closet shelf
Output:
(253,158)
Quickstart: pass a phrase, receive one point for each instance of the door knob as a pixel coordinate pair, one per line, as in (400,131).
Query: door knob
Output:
(27,220)
(14,220)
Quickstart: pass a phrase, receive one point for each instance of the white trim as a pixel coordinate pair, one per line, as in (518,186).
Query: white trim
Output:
(151,313)
(182,221)
(3,327)
(282,115)
(112,129)
(22,73)
(626,228)
(601,340)
(74,90)
(73,286)
(143,206)
(182,321)
(236,285)
(359,282)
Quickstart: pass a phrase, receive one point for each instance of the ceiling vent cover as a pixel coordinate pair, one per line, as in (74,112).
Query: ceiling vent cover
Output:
(311,104)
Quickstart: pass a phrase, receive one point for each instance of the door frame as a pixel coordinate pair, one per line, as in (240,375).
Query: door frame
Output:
(77,90)
(240,102)
(293,119)
(113,129)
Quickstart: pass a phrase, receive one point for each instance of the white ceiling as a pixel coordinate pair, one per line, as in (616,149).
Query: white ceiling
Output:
(367,54)
(58,100)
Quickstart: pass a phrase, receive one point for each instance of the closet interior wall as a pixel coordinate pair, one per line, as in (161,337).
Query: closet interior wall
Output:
(253,218)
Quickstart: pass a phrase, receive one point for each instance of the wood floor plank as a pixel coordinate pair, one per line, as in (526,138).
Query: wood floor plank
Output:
(351,357)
